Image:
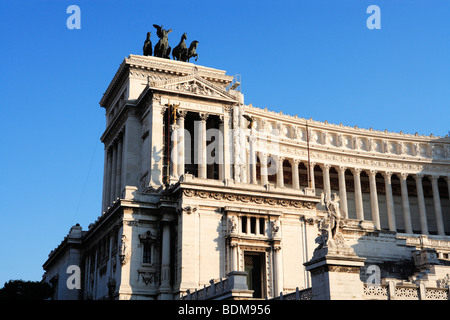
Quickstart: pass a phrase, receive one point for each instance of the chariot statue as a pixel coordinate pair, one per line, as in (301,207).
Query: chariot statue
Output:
(162,48)
(147,49)
(180,51)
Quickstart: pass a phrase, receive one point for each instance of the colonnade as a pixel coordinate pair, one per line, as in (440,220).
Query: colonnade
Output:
(252,155)
(177,164)
(356,171)
(113,172)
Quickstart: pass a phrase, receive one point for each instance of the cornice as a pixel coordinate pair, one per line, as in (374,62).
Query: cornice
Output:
(179,68)
(314,124)
(114,82)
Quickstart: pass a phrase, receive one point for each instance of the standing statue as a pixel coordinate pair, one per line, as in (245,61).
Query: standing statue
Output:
(191,52)
(330,226)
(180,51)
(162,48)
(147,49)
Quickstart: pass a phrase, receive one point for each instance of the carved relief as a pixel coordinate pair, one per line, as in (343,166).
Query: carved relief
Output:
(249,199)
(124,254)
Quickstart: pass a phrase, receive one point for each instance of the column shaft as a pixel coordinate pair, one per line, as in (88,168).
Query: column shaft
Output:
(390,201)
(202,148)
(165,259)
(448,185)
(280,175)
(421,205)
(174,155)
(278,271)
(311,175)
(326,180)
(226,148)
(295,177)
(113,174)
(119,168)
(374,199)
(263,162)
(181,146)
(405,204)
(358,194)
(253,160)
(107,186)
(234,257)
(437,205)
(343,191)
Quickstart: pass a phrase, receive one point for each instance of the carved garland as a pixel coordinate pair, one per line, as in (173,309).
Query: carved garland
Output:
(248,199)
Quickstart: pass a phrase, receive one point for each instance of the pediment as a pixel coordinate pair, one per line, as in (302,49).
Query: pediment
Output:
(193,85)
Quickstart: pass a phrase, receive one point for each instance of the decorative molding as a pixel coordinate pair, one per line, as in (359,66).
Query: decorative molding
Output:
(248,199)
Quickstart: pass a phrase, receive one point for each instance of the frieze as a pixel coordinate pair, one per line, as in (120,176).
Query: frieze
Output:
(393,163)
(249,199)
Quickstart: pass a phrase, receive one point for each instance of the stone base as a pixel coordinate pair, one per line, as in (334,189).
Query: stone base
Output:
(335,274)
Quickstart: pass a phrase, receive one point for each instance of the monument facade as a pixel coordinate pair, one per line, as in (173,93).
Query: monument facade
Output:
(202,191)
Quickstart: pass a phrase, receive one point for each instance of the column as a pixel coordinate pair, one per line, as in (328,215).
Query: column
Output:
(326,180)
(280,176)
(448,185)
(257,226)
(389,201)
(131,150)
(175,152)
(248,230)
(405,203)
(181,146)
(278,270)
(234,256)
(343,190)
(358,194)
(421,204)
(202,147)
(119,167)
(226,147)
(220,150)
(107,186)
(113,174)
(295,179)
(165,259)
(374,199)
(253,159)
(263,162)
(311,175)
(437,205)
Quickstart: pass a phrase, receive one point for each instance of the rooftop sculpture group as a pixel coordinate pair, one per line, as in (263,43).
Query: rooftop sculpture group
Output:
(162,49)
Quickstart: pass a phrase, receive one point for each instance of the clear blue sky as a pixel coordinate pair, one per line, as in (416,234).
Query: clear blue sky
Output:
(312,58)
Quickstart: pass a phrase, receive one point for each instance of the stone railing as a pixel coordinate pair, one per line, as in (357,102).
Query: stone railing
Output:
(305,294)
(234,286)
(392,291)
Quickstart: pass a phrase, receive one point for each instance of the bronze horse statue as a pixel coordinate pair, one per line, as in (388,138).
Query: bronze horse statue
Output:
(191,52)
(162,48)
(180,51)
(147,49)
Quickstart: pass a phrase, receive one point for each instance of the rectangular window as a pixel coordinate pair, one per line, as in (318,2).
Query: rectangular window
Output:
(253,225)
(262,226)
(147,253)
(244,224)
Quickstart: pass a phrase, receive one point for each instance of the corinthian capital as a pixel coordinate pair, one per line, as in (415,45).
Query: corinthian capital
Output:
(404,175)
(203,116)
(181,113)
